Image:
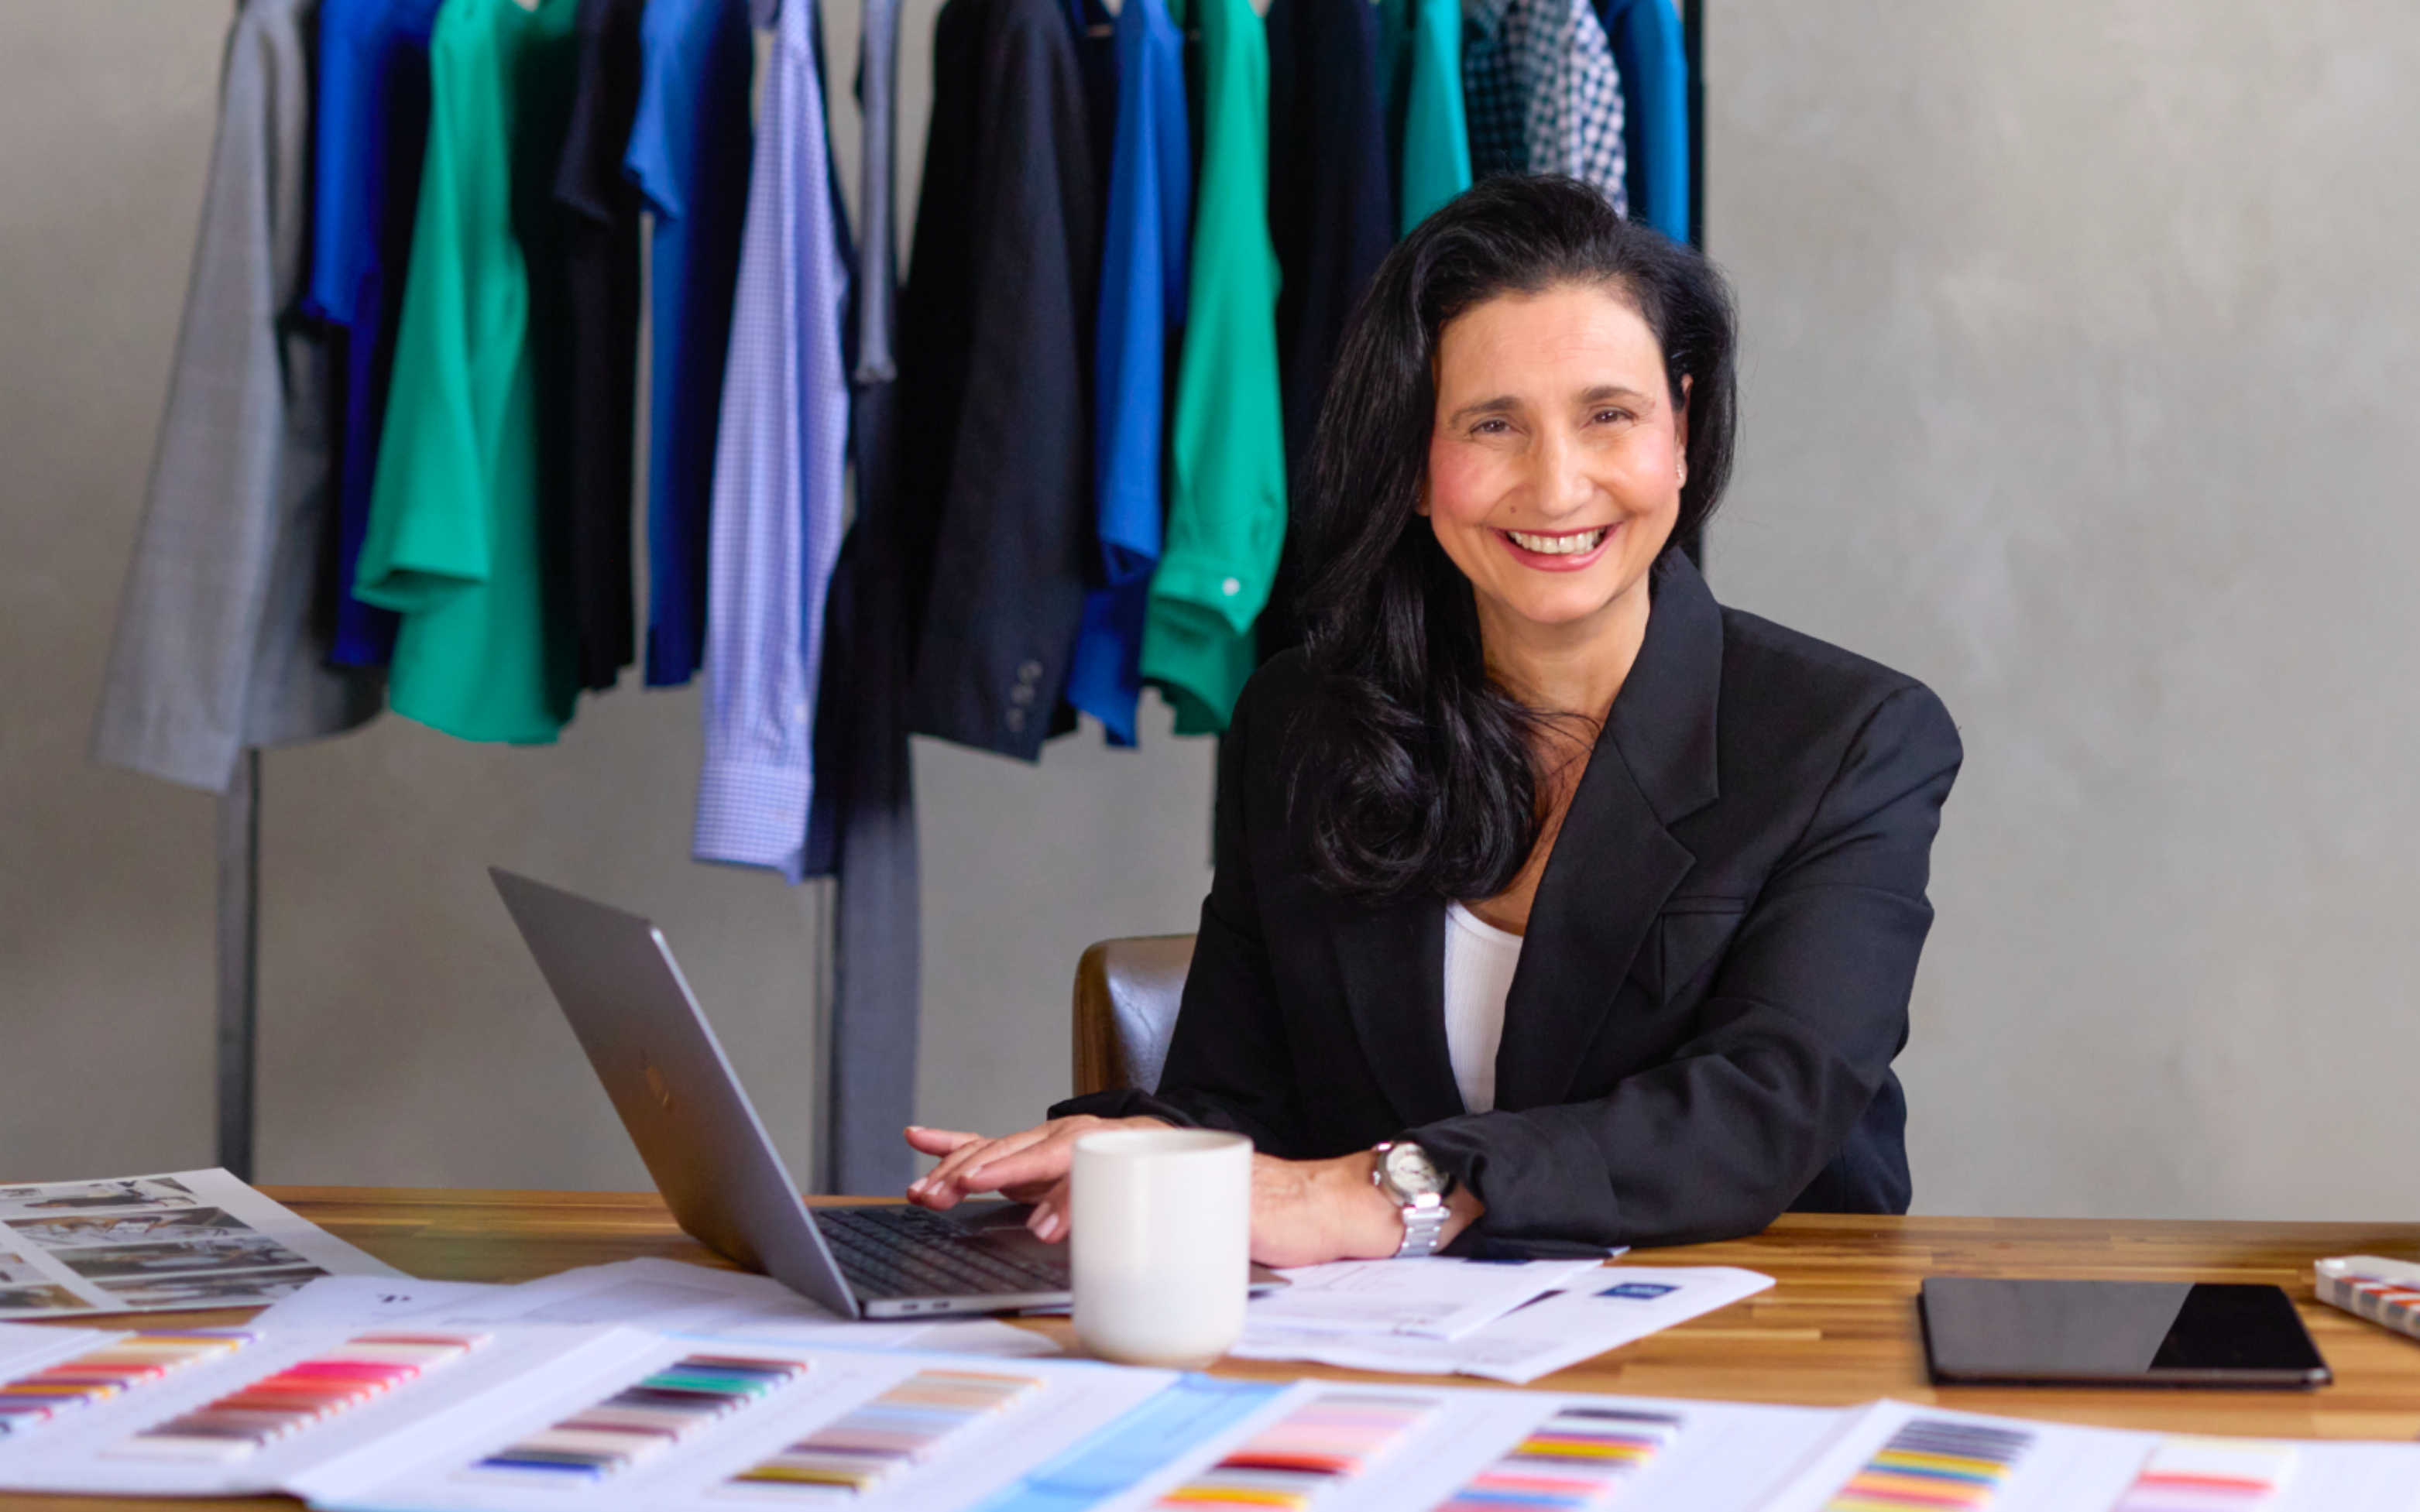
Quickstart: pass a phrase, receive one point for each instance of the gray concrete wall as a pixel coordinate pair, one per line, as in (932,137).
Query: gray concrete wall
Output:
(2078,385)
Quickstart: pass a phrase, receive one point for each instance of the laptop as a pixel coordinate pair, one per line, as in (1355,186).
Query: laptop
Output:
(634,1014)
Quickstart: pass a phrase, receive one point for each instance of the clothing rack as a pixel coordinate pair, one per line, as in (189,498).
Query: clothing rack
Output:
(238,808)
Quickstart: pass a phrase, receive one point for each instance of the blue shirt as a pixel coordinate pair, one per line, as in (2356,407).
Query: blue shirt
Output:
(1142,301)
(1646,46)
(780,458)
(372,130)
(689,154)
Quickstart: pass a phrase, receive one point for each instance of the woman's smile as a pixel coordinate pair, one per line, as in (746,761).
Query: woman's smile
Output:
(1558,550)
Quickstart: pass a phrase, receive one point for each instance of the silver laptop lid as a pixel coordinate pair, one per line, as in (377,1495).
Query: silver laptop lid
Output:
(617,982)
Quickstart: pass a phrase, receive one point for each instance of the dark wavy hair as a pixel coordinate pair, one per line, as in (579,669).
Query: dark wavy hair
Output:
(1421,770)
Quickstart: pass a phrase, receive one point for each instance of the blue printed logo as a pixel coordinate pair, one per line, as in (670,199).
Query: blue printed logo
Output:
(1638,1291)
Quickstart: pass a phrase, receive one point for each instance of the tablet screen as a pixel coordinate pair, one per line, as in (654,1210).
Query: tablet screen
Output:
(2115,1332)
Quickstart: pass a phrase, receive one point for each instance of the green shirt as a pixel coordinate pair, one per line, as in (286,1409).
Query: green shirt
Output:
(456,541)
(1425,36)
(1227,491)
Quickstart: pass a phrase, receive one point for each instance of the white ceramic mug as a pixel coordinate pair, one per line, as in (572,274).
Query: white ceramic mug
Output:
(1160,1242)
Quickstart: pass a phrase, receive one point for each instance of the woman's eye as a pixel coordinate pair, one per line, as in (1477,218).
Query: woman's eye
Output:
(1610,417)
(1490,427)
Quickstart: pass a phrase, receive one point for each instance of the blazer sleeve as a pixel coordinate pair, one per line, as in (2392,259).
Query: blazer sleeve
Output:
(1228,1059)
(1806,1010)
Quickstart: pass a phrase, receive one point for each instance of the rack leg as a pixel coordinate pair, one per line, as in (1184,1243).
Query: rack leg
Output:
(239,931)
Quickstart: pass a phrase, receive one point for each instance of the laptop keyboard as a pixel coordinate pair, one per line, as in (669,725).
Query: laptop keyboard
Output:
(906,1252)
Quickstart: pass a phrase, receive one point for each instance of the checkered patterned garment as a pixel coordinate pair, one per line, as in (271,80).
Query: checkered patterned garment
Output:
(1542,93)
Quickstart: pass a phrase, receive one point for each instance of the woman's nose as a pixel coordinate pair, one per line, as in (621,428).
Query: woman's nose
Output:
(1560,479)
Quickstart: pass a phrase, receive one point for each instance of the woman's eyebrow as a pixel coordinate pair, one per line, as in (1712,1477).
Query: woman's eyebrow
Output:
(1503,404)
(1612,391)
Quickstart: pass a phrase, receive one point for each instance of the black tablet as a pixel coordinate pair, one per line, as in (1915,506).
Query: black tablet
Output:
(2115,1333)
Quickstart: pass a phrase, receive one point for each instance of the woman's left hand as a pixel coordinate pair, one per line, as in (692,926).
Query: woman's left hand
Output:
(1305,1211)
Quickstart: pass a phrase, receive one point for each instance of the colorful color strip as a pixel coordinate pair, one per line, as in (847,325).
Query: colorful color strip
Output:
(1288,1465)
(118,1367)
(1577,1459)
(1935,1464)
(645,1419)
(303,1394)
(905,1426)
(2390,1302)
(2195,1474)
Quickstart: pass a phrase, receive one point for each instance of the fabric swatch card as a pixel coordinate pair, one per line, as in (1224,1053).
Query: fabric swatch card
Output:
(1340,1446)
(233,1412)
(158,1243)
(722,1425)
(1898,1456)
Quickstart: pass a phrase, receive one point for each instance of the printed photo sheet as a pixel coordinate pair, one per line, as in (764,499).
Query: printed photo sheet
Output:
(157,1243)
(723,1426)
(235,1411)
(1344,1446)
(1599,1309)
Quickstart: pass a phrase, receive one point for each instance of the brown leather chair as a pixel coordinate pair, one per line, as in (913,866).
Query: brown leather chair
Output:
(1126,993)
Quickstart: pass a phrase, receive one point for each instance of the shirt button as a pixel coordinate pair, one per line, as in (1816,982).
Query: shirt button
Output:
(1231,587)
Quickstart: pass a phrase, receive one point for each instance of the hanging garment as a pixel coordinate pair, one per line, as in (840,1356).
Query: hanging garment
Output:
(459,540)
(1227,489)
(600,233)
(1331,219)
(1542,93)
(994,356)
(689,153)
(223,629)
(780,463)
(1421,42)
(1649,49)
(861,828)
(373,124)
(1142,308)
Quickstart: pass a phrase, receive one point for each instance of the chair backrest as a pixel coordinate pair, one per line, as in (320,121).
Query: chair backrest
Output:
(1126,993)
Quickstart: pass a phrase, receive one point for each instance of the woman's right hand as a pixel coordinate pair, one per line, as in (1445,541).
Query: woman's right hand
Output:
(1029,1166)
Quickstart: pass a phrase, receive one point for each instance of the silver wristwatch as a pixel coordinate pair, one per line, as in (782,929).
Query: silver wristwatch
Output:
(1412,1181)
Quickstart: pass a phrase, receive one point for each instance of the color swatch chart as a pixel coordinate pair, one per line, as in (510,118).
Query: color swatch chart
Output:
(642,1419)
(1318,1446)
(1574,1461)
(300,1396)
(1935,1464)
(2195,1474)
(126,1363)
(905,1426)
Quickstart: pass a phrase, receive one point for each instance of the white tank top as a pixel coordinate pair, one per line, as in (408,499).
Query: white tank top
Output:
(1479,962)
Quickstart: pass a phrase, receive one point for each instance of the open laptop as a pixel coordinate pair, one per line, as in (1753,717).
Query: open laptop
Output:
(617,982)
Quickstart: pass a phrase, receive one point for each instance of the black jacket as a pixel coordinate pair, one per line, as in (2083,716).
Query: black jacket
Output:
(1715,981)
(995,351)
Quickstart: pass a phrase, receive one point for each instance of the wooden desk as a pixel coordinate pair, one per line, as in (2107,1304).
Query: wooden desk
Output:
(1839,1328)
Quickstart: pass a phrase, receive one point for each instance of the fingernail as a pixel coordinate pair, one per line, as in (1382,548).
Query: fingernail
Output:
(916,1187)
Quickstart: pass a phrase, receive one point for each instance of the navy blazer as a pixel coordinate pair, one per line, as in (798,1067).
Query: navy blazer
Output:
(1713,983)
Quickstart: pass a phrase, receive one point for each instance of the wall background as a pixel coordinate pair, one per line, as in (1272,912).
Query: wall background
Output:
(2080,376)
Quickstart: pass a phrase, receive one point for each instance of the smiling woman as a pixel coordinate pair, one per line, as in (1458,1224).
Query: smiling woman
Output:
(1556,905)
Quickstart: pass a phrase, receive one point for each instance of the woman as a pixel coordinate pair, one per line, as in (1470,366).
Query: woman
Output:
(1522,734)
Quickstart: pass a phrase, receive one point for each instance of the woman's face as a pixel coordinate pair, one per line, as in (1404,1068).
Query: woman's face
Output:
(1555,468)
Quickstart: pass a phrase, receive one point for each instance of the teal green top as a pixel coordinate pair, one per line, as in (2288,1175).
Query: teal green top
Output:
(1227,491)
(1435,163)
(456,538)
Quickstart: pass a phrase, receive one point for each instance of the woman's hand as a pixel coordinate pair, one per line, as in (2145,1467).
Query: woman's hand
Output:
(1028,1166)
(1306,1212)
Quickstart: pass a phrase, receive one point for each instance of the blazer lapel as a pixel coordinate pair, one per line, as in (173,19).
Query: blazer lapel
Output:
(1390,962)
(1615,863)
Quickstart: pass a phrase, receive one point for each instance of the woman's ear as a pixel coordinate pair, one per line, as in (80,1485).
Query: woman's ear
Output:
(1420,500)
(1680,417)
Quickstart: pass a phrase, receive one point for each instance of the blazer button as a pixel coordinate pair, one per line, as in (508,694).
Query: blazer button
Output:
(1015,719)
(1030,671)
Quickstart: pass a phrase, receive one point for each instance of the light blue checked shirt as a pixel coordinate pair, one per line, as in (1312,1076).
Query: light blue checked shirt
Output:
(778,470)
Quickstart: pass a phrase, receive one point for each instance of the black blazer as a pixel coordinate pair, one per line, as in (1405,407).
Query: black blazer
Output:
(1713,984)
(993,507)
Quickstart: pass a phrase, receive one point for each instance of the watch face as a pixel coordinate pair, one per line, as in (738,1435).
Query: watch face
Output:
(1409,1171)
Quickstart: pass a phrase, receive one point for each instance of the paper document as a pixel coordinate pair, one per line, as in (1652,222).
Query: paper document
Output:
(1361,1446)
(1434,1298)
(723,1426)
(654,1294)
(158,1244)
(1599,1310)
(237,1411)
